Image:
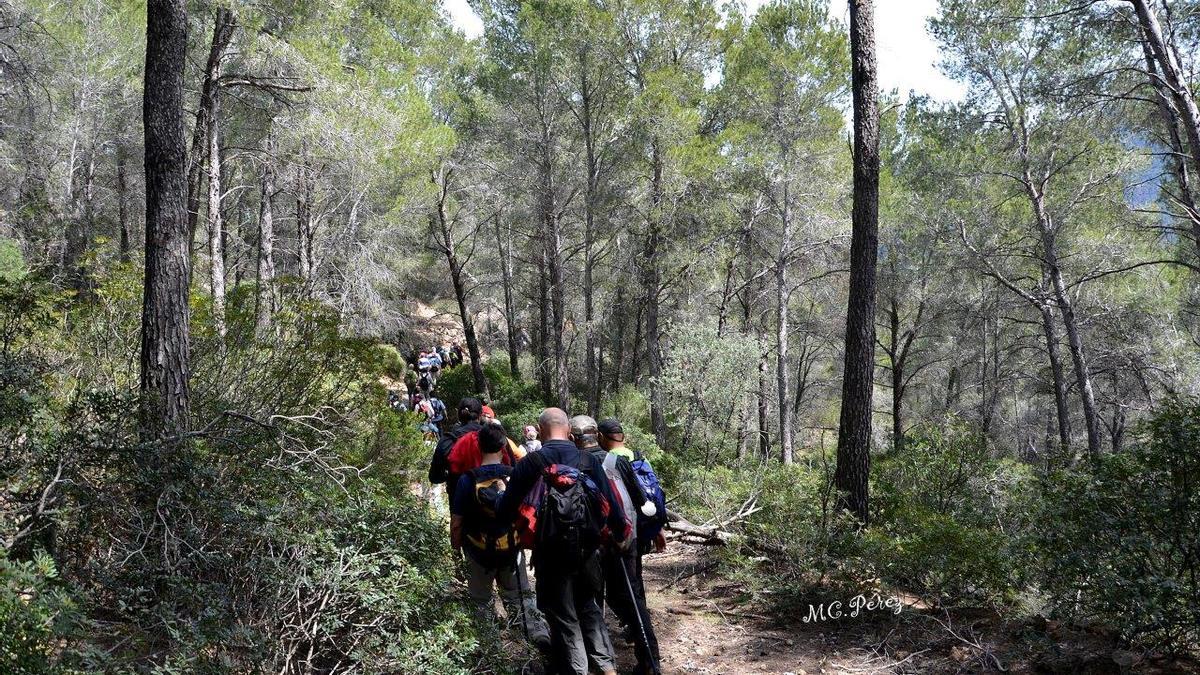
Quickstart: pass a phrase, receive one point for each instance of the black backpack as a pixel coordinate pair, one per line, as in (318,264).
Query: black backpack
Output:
(439,465)
(568,518)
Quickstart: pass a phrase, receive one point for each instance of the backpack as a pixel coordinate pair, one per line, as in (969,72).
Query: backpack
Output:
(439,466)
(570,512)
(648,528)
(488,492)
(618,487)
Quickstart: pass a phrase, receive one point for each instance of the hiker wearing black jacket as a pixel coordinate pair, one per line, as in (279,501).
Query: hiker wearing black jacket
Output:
(469,411)
(568,597)
(623,587)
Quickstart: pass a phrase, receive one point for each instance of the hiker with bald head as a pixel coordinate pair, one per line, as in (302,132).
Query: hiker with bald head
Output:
(570,516)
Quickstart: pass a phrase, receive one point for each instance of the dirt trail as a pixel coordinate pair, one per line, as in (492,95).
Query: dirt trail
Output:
(704,626)
(701,629)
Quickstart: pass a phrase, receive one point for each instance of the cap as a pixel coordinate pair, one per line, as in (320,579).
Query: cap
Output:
(610,426)
(487,410)
(582,425)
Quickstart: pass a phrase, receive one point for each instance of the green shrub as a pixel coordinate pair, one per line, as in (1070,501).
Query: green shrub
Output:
(948,520)
(1124,548)
(36,614)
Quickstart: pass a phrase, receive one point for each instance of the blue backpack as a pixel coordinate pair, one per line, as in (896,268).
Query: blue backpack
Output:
(648,528)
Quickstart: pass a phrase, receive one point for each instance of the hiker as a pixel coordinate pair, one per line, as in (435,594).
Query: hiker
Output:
(572,520)
(649,529)
(467,453)
(623,587)
(456,354)
(443,353)
(438,409)
(490,546)
(469,411)
(531,442)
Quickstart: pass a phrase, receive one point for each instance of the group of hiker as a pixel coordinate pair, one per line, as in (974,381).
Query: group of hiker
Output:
(419,394)
(585,504)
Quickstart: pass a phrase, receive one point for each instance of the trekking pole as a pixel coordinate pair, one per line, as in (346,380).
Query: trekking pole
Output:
(637,612)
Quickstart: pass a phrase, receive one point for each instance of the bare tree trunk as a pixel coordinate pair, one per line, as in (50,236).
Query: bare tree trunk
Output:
(123,245)
(222,34)
(764,401)
(1170,120)
(165,346)
(591,194)
(782,333)
(854,431)
(442,223)
(1172,79)
(216,226)
(504,244)
(1059,381)
(543,331)
(618,360)
(1075,342)
(652,281)
(304,225)
(265,298)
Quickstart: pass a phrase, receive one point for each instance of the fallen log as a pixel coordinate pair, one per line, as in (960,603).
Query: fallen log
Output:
(707,534)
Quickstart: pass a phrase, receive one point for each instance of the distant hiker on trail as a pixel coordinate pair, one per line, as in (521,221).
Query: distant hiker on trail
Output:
(623,587)
(572,515)
(490,545)
(469,411)
(439,411)
(531,442)
(443,353)
(456,355)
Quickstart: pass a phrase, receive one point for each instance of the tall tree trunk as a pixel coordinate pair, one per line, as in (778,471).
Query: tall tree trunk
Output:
(1059,382)
(1170,120)
(265,299)
(622,315)
(441,221)
(222,33)
(764,400)
(504,245)
(652,281)
(854,429)
(591,194)
(1172,79)
(123,245)
(897,359)
(782,333)
(164,345)
(216,226)
(304,223)
(543,330)
(1075,342)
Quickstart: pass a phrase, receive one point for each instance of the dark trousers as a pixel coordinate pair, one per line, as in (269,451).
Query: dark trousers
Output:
(570,601)
(617,568)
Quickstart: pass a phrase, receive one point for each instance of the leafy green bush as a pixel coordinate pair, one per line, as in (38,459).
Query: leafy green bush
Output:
(36,614)
(1124,549)
(280,537)
(949,520)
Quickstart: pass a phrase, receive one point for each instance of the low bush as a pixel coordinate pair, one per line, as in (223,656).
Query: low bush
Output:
(1124,548)
(281,536)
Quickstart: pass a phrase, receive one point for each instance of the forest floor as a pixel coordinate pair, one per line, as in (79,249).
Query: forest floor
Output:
(705,625)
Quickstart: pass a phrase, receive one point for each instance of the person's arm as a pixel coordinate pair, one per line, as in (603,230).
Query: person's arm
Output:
(522,480)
